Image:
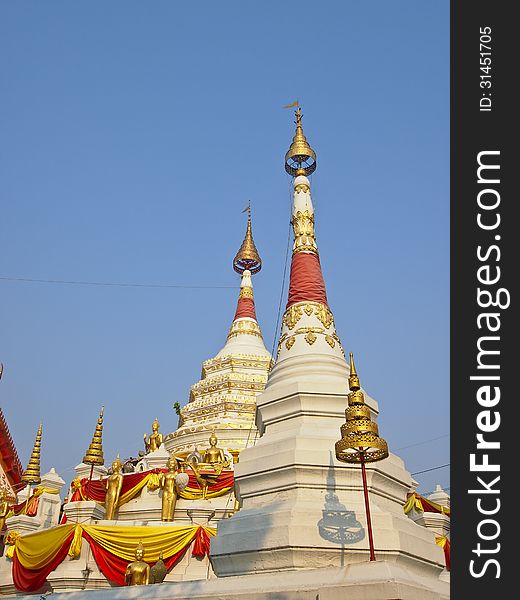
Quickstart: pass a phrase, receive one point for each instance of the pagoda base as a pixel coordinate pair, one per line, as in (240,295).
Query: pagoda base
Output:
(302,509)
(377,580)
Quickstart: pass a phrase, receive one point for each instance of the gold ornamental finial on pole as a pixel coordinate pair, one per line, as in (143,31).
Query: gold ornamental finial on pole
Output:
(247,257)
(31,474)
(94,455)
(300,159)
(360,441)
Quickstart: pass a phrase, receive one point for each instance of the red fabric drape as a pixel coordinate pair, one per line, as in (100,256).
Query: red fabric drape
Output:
(27,580)
(306,280)
(32,506)
(427,507)
(201,543)
(112,567)
(225,480)
(95,488)
(245,308)
(447,555)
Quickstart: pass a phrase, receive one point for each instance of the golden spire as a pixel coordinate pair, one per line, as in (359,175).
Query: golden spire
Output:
(31,474)
(360,441)
(247,257)
(353,379)
(94,455)
(300,158)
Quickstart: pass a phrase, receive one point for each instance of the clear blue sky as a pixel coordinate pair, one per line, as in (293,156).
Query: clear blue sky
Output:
(133,135)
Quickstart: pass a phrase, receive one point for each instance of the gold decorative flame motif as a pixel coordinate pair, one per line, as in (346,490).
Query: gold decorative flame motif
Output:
(324,315)
(311,337)
(304,237)
(292,315)
(290,342)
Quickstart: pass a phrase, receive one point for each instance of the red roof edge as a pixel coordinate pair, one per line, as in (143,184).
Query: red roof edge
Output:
(8,453)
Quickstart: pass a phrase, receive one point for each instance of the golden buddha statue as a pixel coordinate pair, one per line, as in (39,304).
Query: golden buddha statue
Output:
(4,508)
(214,456)
(138,572)
(154,440)
(113,485)
(213,462)
(169,495)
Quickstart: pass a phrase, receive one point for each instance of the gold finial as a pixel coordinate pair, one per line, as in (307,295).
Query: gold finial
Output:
(247,257)
(94,455)
(31,474)
(360,441)
(353,380)
(300,158)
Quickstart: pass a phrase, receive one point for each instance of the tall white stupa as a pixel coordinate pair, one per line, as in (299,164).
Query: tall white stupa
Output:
(301,509)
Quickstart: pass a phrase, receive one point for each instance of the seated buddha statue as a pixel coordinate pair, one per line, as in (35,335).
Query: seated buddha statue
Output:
(213,462)
(214,457)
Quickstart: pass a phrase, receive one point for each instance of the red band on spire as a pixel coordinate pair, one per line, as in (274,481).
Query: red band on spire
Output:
(245,308)
(306,280)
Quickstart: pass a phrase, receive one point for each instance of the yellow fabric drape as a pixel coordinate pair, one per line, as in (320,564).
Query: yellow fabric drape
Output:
(75,545)
(122,541)
(441,540)
(414,501)
(128,495)
(11,538)
(154,481)
(35,550)
(191,494)
(36,493)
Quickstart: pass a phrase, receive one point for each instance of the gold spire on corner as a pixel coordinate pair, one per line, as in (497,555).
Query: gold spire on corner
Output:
(94,455)
(31,474)
(247,256)
(360,441)
(300,159)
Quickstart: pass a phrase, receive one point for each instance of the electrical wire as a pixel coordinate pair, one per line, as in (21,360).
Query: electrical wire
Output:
(432,469)
(424,442)
(117,284)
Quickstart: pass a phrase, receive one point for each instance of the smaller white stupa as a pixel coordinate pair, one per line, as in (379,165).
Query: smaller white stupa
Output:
(224,400)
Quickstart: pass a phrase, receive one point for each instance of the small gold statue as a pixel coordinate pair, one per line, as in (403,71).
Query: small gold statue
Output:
(213,460)
(138,572)
(214,456)
(4,508)
(113,485)
(154,440)
(169,496)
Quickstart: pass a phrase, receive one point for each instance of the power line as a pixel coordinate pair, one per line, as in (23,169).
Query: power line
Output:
(432,469)
(424,442)
(117,284)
